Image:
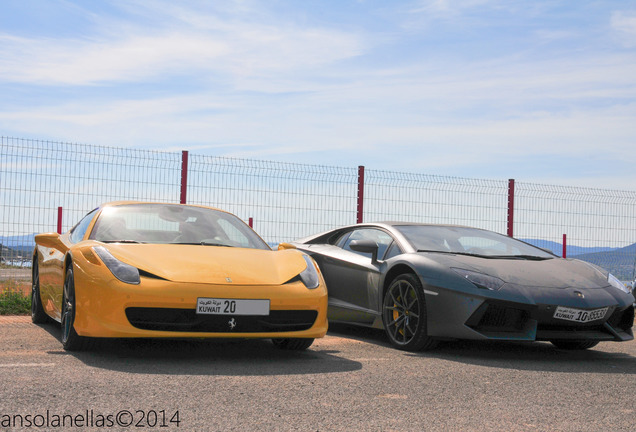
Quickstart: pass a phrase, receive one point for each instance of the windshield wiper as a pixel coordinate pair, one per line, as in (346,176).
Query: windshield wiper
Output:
(520,257)
(204,243)
(435,251)
(515,257)
(452,253)
(122,241)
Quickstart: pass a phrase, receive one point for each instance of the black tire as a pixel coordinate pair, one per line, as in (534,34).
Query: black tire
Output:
(404,314)
(292,344)
(71,341)
(38,316)
(574,344)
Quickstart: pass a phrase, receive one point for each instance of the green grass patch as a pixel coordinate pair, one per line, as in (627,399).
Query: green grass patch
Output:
(14,301)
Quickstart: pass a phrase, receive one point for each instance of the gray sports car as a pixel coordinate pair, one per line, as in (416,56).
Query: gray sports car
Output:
(423,283)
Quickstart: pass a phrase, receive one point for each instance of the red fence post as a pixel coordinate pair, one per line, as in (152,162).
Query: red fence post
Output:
(59,220)
(251,222)
(565,248)
(360,194)
(184,176)
(511,206)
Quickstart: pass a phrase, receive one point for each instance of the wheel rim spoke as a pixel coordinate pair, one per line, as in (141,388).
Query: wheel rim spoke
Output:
(395,301)
(414,302)
(395,321)
(402,295)
(396,327)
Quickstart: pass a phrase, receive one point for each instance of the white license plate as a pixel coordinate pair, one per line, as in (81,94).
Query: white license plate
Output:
(579,315)
(220,306)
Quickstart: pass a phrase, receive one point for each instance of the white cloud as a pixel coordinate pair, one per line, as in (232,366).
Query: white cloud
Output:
(258,83)
(82,62)
(625,24)
(191,45)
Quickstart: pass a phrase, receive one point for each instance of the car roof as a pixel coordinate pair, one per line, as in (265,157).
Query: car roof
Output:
(121,203)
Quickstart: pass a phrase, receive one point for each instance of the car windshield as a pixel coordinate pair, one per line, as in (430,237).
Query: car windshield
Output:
(468,241)
(173,224)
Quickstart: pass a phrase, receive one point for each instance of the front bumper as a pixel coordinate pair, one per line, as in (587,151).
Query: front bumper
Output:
(163,309)
(518,315)
(521,322)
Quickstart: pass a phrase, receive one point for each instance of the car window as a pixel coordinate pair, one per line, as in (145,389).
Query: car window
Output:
(481,244)
(380,237)
(466,240)
(174,224)
(393,251)
(233,233)
(78,231)
(342,239)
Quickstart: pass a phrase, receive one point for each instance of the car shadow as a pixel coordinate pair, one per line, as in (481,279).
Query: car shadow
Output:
(606,357)
(221,357)
(361,334)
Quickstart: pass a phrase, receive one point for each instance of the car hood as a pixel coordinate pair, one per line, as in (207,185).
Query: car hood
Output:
(551,273)
(212,264)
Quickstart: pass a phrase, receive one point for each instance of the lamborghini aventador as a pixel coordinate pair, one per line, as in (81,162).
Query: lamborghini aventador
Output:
(424,283)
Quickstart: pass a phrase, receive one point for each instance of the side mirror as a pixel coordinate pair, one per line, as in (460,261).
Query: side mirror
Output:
(366,246)
(51,240)
(284,246)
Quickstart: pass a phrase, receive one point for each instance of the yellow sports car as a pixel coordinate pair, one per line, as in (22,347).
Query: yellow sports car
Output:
(132,269)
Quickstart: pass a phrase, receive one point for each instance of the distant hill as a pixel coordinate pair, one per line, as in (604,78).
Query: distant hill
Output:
(9,255)
(557,248)
(18,240)
(16,246)
(619,262)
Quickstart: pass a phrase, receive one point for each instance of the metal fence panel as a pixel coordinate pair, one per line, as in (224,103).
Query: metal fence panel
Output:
(37,177)
(395,196)
(599,224)
(287,201)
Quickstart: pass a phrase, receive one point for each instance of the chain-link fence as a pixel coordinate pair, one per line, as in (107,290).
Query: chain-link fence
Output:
(287,201)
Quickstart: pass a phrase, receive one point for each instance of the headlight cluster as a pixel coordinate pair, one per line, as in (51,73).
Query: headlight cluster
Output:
(480,280)
(310,276)
(122,271)
(613,281)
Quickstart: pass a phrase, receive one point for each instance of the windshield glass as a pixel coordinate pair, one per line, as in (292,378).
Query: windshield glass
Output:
(469,241)
(173,224)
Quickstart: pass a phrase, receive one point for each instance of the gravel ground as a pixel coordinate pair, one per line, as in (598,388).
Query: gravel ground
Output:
(350,380)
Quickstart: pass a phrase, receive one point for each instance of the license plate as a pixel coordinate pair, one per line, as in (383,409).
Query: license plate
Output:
(220,306)
(579,315)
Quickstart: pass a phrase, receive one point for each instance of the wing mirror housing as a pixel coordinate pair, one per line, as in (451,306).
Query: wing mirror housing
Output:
(51,240)
(285,246)
(366,246)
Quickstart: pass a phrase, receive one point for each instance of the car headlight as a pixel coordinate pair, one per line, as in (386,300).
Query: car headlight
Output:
(310,276)
(480,280)
(613,281)
(122,271)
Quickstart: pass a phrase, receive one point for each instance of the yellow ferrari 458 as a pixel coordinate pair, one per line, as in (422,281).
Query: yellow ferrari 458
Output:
(152,270)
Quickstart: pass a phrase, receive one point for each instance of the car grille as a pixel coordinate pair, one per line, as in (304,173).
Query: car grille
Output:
(187,320)
(502,321)
(497,318)
(622,319)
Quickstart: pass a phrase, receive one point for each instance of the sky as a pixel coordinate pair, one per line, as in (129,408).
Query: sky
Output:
(539,91)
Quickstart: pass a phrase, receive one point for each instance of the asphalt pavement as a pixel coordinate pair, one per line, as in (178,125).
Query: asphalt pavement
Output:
(351,380)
